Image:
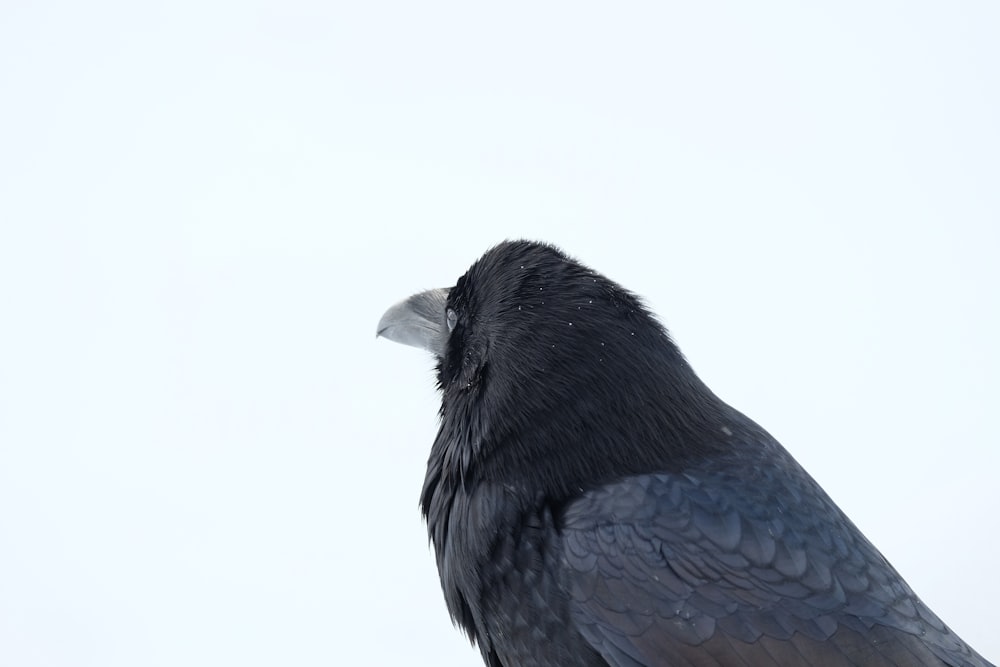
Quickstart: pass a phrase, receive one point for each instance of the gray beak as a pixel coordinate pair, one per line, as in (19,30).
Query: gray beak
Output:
(419,321)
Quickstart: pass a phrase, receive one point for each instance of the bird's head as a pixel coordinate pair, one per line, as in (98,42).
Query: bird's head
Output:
(543,358)
(524,310)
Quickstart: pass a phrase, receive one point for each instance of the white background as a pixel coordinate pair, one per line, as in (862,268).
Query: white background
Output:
(206,458)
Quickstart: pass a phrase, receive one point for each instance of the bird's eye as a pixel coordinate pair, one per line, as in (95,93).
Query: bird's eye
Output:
(452,319)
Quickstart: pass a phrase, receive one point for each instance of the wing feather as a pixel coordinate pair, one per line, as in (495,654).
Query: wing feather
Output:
(725,569)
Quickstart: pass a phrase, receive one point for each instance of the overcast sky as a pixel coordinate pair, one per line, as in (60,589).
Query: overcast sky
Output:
(206,457)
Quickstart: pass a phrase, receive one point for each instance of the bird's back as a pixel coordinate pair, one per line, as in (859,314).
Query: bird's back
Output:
(740,560)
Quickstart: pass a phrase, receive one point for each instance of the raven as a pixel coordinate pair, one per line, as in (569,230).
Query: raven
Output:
(592,502)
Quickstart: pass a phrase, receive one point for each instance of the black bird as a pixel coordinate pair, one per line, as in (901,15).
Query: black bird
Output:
(592,502)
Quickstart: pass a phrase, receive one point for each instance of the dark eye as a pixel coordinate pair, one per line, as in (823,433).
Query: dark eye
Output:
(452,319)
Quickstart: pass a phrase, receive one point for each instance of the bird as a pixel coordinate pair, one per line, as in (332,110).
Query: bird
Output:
(590,501)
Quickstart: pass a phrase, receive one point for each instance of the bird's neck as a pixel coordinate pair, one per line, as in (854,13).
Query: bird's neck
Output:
(567,443)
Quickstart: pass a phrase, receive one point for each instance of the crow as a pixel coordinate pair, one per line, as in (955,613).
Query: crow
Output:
(591,502)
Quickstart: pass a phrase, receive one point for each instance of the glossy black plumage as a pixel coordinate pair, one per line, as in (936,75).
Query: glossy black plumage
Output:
(592,502)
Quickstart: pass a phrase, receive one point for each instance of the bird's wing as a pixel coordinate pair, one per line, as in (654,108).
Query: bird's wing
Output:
(750,567)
